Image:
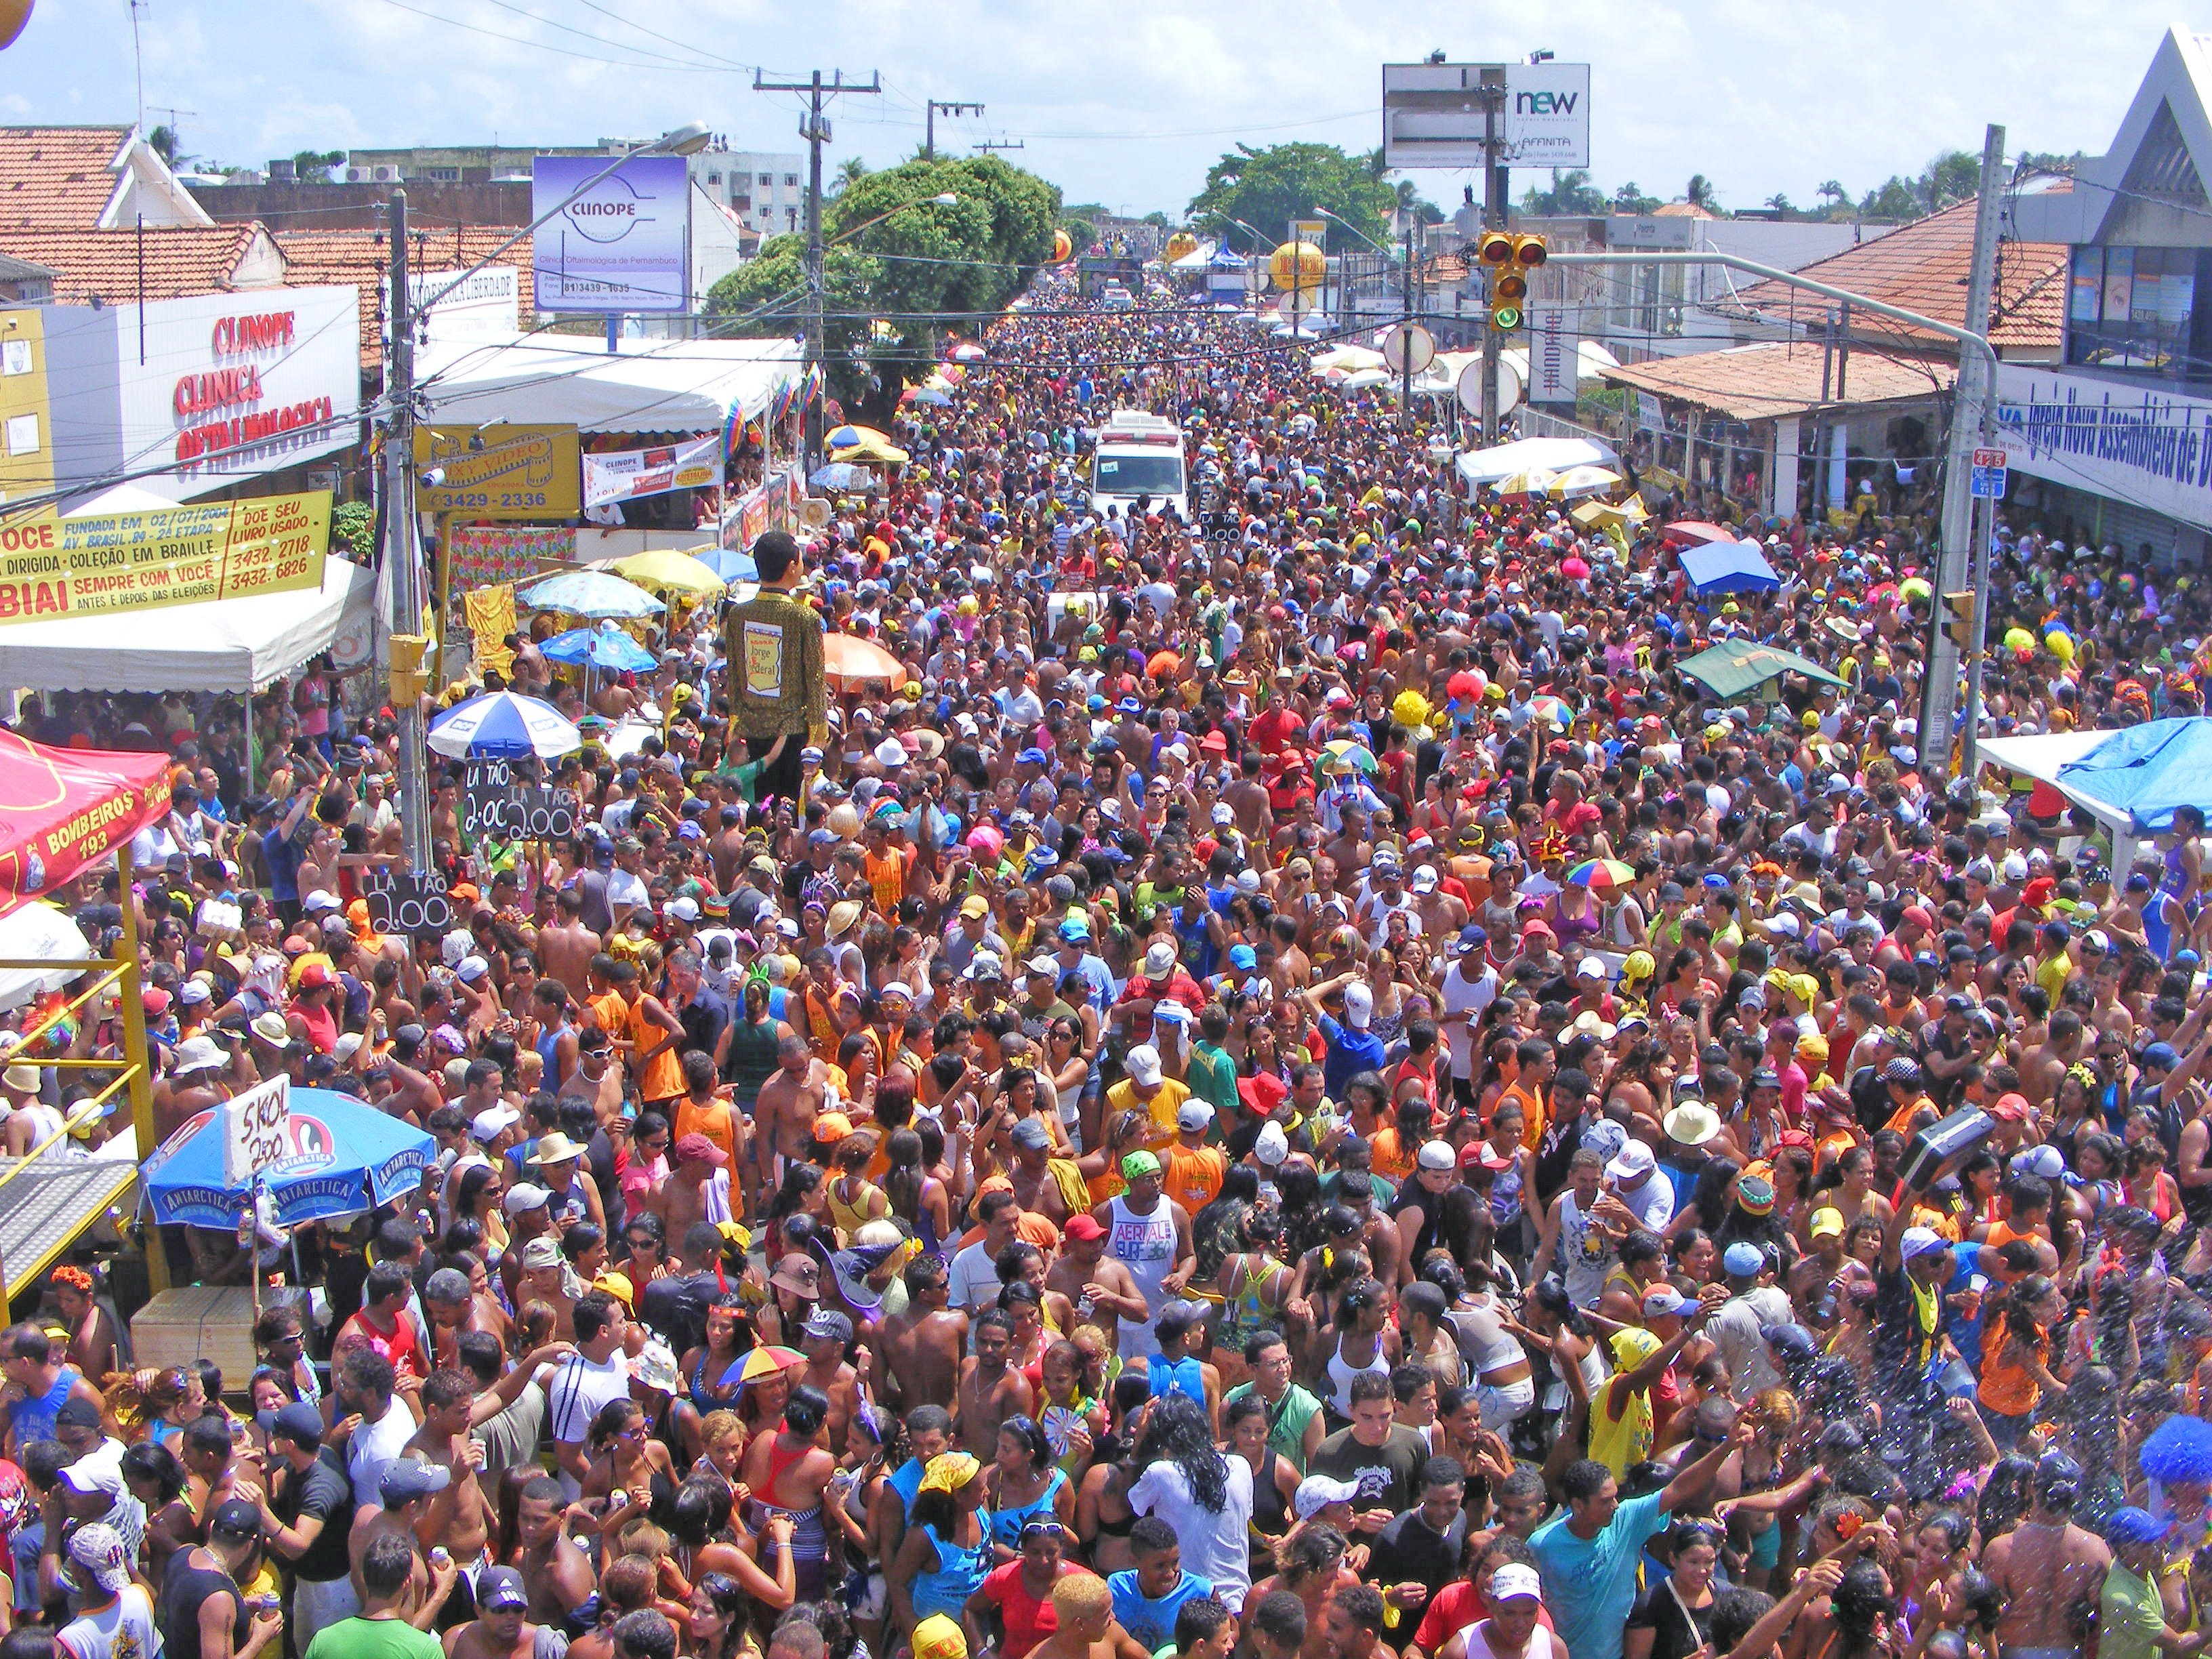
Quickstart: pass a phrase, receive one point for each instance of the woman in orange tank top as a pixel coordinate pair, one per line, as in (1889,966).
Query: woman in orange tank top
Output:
(2016,1349)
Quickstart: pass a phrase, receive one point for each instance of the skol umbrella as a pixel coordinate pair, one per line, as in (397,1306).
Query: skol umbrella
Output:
(504,725)
(849,661)
(1532,480)
(968,351)
(345,1158)
(606,648)
(592,593)
(1684,532)
(1583,481)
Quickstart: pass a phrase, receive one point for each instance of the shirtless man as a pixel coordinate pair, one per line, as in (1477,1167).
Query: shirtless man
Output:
(991,1390)
(200,1080)
(2043,1566)
(405,1488)
(556,1571)
(566,948)
(784,1115)
(924,1344)
(459,1517)
(2040,1071)
(598,1077)
(824,1339)
(1099,1288)
(697,1188)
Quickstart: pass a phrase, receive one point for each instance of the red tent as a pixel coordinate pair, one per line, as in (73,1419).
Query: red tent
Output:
(61,810)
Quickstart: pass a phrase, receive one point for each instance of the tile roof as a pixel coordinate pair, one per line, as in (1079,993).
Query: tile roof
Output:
(1923,267)
(181,261)
(362,258)
(56,178)
(1781,378)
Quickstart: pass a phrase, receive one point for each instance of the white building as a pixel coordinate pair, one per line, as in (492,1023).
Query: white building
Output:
(766,192)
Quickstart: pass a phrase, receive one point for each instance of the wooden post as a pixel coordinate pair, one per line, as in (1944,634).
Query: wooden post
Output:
(134,1053)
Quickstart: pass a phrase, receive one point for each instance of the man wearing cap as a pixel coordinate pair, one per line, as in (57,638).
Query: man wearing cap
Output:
(1754,1302)
(305,1516)
(201,1593)
(1148,1089)
(500,1630)
(114,1618)
(1100,1289)
(1149,1234)
(1193,1170)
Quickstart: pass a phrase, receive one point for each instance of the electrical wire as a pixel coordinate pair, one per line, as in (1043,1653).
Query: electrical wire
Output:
(546,46)
(604,12)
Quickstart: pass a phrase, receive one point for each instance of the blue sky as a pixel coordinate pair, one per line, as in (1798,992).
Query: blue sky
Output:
(1125,103)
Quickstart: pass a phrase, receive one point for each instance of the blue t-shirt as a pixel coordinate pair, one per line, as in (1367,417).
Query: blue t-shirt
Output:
(1589,1585)
(1350,1053)
(1152,1623)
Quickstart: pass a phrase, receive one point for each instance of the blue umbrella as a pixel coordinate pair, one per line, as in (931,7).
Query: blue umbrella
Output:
(504,725)
(841,475)
(347,1157)
(592,593)
(731,564)
(607,647)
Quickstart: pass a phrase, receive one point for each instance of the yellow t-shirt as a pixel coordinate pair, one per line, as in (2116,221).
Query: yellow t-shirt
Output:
(1166,1101)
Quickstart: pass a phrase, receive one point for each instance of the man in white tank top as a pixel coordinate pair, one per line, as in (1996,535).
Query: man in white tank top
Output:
(1149,1234)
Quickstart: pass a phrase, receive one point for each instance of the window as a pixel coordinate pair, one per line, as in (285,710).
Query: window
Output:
(791,181)
(792,214)
(713,178)
(766,180)
(447,175)
(2134,309)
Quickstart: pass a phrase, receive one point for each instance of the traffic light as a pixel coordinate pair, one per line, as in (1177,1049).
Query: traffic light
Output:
(1510,258)
(1958,619)
(410,679)
(1529,253)
(1494,249)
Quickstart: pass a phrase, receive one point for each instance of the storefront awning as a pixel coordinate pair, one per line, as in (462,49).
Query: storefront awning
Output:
(648,385)
(237,646)
(1776,379)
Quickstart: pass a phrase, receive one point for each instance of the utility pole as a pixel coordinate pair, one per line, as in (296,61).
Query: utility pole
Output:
(816,131)
(929,140)
(1963,559)
(1406,357)
(402,556)
(1000,144)
(1493,218)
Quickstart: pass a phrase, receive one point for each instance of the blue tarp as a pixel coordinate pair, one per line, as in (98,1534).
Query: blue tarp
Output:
(1728,567)
(2147,771)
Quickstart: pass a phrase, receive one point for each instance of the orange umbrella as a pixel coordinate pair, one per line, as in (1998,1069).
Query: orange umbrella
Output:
(849,661)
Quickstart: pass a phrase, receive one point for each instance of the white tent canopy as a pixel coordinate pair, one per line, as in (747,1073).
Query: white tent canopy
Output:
(39,932)
(1482,467)
(2041,756)
(237,646)
(648,385)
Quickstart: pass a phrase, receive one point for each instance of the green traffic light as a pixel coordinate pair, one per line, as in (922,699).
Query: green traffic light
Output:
(1506,317)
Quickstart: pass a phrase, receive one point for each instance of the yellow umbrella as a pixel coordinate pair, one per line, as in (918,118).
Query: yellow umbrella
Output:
(668,571)
(1535,480)
(1602,515)
(1583,481)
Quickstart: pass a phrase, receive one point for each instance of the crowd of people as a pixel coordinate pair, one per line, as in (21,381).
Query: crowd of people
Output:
(1294,1088)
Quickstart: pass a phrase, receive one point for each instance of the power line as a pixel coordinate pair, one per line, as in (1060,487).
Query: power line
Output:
(593,5)
(547,46)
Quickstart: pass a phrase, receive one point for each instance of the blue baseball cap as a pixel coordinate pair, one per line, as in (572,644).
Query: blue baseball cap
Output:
(1075,929)
(1244,958)
(1743,1260)
(1130,706)
(1473,937)
(1717,883)
(1032,756)
(2131,1525)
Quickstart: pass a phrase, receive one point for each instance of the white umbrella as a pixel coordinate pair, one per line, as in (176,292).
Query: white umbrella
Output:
(39,932)
(504,725)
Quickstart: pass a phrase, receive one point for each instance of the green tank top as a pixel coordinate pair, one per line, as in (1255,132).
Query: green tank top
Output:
(752,1057)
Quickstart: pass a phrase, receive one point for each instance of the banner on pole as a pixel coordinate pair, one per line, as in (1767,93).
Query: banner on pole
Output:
(1554,354)
(105,563)
(624,474)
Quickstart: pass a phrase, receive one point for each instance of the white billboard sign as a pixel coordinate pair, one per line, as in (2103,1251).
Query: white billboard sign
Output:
(1433,115)
(620,243)
(2139,444)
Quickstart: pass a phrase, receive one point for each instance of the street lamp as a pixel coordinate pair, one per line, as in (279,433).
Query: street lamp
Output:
(943,198)
(1338,218)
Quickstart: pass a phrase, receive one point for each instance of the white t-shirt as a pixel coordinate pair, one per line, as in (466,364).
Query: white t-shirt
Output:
(1213,1545)
(125,1631)
(975,1278)
(374,1445)
(1468,997)
(575,1395)
(625,892)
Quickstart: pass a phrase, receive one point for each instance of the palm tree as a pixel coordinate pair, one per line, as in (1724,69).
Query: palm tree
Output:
(850,171)
(1780,203)
(1700,193)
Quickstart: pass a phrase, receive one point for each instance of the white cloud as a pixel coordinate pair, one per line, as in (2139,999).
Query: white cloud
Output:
(1761,98)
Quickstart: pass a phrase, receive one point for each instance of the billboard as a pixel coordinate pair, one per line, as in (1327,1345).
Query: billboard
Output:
(621,244)
(500,471)
(1554,354)
(1432,115)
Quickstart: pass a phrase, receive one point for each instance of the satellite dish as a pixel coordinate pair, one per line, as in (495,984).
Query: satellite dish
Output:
(1409,346)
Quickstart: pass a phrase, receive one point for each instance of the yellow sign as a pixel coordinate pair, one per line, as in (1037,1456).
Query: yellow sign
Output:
(27,441)
(500,471)
(491,612)
(763,660)
(100,563)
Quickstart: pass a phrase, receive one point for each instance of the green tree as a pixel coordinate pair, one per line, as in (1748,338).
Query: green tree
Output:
(162,140)
(900,266)
(1157,220)
(1082,234)
(1267,188)
(850,171)
(1570,195)
(1898,199)
(1953,177)
(1700,194)
(352,530)
(315,163)
(1631,198)
(1780,203)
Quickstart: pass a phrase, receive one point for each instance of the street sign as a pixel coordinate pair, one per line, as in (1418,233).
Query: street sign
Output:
(1408,346)
(1989,479)
(257,1130)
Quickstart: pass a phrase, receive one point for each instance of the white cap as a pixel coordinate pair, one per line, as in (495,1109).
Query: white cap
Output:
(1589,967)
(1513,1582)
(1920,1240)
(1359,1006)
(1274,1146)
(1194,1116)
(319,900)
(1159,959)
(1144,1064)
(1632,1162)
(1425,879)
(472,968)
(1436,1155)
(487,1123)
(1224,813)
(525,1195)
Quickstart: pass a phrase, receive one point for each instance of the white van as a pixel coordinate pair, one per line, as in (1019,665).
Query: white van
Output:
(1140,454)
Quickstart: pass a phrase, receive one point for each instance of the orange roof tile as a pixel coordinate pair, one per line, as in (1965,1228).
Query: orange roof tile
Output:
(1781,378)
(1923,267)
(180,260)
(56,178)
(362,257)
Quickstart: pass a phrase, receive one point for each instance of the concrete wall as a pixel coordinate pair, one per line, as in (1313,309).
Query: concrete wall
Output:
(359,207)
